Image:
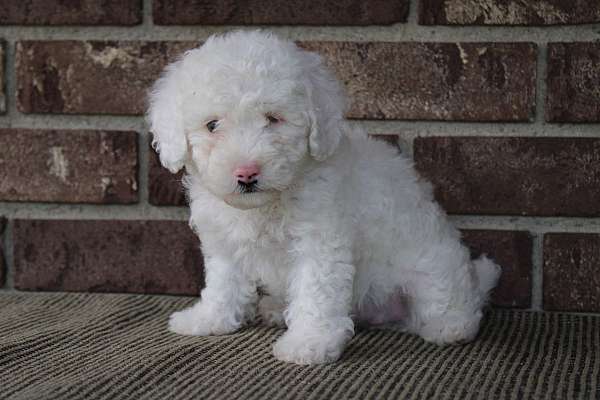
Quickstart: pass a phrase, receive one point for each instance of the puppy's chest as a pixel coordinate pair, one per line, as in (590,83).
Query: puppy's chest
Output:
(259,234)
(263,250)
(257,241)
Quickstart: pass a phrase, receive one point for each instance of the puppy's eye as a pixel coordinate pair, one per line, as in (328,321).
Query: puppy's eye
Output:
(272,119)
(212,125)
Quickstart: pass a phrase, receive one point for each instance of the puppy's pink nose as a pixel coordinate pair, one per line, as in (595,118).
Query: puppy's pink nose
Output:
(247,173)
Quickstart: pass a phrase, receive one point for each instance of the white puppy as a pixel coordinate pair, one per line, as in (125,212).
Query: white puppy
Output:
(336,228)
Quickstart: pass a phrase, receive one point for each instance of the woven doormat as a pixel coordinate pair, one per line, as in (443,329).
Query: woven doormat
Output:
(102,346)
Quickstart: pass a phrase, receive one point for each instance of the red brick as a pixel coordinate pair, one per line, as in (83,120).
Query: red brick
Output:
(508,12)
(55,76)
(513,176)
(279,12)
(2,95)
(2,262)
(68,166)
(72,12)
(165,188)
(572,272)
(512,250)
(573,81)
(435,81)
(159,257)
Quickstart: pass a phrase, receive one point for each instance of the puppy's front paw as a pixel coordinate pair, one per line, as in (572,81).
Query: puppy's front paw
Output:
(198,321)
(311,347)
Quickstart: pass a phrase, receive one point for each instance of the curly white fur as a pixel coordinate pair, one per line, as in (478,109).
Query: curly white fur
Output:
(341,230)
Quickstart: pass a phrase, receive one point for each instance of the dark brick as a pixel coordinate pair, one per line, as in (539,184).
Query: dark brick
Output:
(159,257)
(68,166)
(508,12)
(573,81)
(513,176)
(55,76)
(2,85)
(279,12)
(72,12)
(435,81)
(165,188)
(572,272)
(2,262)
(511,250)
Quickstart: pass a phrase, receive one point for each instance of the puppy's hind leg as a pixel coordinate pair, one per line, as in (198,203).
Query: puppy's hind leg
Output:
(447,300)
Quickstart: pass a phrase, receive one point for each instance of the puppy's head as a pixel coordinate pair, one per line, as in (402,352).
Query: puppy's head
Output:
(245,112)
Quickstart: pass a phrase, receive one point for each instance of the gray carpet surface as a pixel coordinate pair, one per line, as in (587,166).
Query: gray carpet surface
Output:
(103,346)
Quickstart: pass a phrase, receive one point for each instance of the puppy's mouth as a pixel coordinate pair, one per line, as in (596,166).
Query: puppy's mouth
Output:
(247,187)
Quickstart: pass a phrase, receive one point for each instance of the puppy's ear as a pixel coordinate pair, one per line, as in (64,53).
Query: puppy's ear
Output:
(326,108)
(166,120)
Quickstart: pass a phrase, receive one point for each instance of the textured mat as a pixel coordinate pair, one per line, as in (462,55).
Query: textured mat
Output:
(81,346)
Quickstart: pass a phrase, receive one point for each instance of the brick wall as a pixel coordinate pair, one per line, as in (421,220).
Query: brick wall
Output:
(497,101)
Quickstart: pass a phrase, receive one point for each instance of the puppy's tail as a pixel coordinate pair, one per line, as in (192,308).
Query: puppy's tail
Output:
(488,273)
